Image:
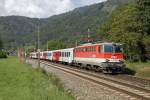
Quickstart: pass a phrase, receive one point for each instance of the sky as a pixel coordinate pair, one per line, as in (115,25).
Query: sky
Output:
(40,8)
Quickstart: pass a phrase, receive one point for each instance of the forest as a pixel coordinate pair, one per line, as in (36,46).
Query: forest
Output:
(130,25)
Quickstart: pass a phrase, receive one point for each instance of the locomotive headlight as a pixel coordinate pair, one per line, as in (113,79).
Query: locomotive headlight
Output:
(107,60)
(121,61)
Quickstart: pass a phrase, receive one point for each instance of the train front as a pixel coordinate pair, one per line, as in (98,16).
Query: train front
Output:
(113,58)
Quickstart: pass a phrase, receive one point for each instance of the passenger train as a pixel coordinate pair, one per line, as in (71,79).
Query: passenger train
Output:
(105,57)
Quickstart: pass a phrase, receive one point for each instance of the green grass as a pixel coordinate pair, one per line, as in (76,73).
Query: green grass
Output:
(18,81)
(141,69)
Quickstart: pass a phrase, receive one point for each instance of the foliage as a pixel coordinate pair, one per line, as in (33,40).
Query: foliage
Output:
(124,27)
(1,45)
(3,54)
(143,7)
(20,81)
(141,69)
(56,44)
(143,20)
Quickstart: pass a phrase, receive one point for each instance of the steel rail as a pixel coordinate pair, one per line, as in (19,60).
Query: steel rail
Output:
(143,95)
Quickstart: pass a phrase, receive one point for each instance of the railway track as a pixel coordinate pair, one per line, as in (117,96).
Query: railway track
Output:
(144,83)
(129,89)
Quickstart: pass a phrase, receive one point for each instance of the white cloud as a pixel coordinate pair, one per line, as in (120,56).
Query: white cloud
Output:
(40,8)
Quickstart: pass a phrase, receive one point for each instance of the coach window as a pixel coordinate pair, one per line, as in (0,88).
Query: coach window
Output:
(68,54)
(81,49)
(84,49)
(78,49)
(65,54)
(87,49)
(99,49)
(94,49)
(90,49)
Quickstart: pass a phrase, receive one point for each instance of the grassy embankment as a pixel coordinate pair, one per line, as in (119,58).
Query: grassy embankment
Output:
(18,81)
(141,69)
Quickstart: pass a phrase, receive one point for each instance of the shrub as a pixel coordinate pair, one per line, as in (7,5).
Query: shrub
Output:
(3,54)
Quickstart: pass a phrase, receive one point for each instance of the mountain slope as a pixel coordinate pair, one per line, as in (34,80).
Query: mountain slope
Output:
(17,30)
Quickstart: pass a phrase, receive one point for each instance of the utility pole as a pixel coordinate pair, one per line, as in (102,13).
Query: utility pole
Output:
(76,44)
(47,45)
(38,46)
(89,35)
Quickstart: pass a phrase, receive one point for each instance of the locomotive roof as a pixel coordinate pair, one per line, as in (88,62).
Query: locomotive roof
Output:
(91,44)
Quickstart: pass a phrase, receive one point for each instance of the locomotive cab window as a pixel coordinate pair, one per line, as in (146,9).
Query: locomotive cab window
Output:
(118,49)
(112,49)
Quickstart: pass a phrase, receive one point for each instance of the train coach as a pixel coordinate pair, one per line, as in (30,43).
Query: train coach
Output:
(105,57)
(63,55)
(33,55)
(66,56)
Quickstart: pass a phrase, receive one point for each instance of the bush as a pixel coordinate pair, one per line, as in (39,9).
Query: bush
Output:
(3,54)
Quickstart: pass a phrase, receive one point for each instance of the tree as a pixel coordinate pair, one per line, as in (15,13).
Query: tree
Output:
(143,18)
(1,44)
(56,44)
(123,27)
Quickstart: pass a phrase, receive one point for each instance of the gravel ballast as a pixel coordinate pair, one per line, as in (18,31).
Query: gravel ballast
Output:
(83,89)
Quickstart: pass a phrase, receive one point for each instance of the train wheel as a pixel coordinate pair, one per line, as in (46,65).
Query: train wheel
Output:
(98,69)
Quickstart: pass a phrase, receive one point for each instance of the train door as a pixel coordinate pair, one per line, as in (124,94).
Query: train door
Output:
(56,56)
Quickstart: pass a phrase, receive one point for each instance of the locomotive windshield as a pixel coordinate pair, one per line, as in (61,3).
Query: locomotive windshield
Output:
(112,48)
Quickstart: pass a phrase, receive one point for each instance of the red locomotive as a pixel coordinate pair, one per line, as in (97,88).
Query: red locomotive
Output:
(106,57)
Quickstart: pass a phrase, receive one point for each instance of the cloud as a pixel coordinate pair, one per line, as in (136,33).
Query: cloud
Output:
(40,8)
